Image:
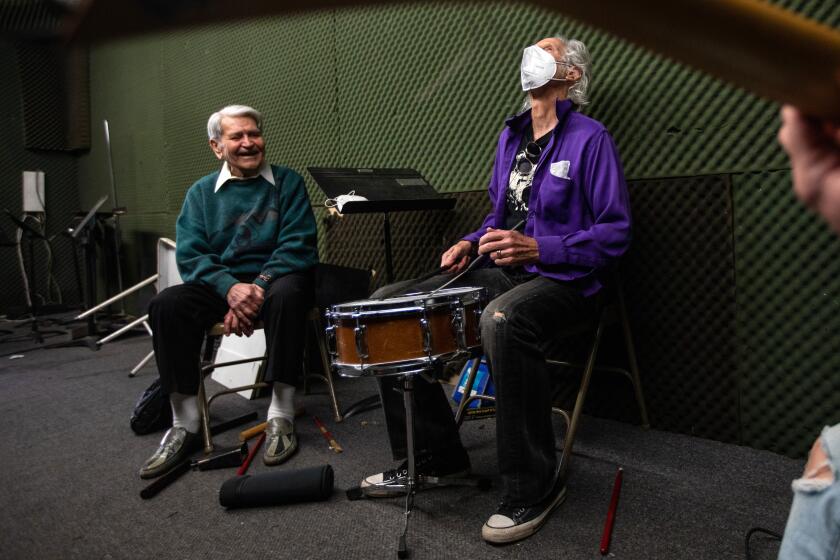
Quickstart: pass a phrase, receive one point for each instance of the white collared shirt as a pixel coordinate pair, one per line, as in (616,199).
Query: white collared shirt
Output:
(225,176)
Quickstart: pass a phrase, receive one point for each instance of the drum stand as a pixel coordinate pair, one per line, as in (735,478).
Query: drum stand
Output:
(414,481)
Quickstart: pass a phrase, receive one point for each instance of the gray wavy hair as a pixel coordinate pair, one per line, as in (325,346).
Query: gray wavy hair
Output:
(214,123)
(577,55)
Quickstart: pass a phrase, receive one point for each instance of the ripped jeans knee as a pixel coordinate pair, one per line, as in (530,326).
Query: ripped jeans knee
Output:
(813,526)
(819,472)
(492,318)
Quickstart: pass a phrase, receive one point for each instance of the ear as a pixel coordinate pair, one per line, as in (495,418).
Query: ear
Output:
(217,149)
(573,74)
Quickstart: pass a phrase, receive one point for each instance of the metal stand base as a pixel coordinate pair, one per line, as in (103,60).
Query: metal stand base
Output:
(416,482)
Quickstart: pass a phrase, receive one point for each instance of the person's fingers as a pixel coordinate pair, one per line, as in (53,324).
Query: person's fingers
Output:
(251,311)
(493,247)
(453,255)
(512,260)
(460,265)
(447,259)
(233,324)
(242,317)
(229,318)
(248,309)
(491,237)
(237,326)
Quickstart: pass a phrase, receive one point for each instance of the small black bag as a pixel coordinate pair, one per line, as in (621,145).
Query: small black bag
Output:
(152,411)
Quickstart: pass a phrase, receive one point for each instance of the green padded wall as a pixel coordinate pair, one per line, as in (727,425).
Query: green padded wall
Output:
(61,198)
(428,86)
(679,280)
(788,315)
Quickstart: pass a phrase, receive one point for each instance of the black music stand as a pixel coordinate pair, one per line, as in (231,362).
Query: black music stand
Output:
(83,235)
(387,190)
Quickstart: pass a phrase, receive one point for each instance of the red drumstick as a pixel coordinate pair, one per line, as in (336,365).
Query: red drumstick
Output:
(605,539)
(244,467)
(327,435)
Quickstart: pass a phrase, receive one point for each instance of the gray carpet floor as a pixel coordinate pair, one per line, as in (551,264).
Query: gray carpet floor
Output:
(69,486)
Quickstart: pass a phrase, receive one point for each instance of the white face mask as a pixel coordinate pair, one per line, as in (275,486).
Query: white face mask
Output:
(538,68)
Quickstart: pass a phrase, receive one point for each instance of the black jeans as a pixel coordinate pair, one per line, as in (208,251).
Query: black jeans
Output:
(526,312)
(180,315)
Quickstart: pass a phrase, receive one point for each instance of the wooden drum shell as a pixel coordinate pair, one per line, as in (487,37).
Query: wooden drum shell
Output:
(390,337)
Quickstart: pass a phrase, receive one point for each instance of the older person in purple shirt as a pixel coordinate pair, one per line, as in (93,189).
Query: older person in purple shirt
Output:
(557,171)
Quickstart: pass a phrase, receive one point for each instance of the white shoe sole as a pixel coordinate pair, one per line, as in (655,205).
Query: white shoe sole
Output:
(504,535)
(381,490)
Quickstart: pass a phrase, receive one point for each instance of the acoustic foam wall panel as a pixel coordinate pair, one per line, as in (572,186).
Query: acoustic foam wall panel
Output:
(61,194)
(54,96)
(788,316)
(425,86)
(680,285)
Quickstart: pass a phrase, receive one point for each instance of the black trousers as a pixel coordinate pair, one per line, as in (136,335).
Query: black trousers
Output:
(524,315)
(180,316)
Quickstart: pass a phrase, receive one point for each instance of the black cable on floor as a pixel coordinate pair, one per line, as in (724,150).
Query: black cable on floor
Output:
(750,533)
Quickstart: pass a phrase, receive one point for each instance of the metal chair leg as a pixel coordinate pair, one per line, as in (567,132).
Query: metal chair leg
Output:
(574,422)
(203,409)
(325,363)
(631,357)
(327,377)
(204,415)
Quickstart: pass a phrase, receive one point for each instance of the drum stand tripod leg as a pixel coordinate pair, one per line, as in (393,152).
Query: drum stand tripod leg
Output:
(411,483)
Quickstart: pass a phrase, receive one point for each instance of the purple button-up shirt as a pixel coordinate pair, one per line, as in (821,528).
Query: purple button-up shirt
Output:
(579,209)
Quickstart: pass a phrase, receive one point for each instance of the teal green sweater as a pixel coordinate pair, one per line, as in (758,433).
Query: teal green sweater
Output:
(247,228)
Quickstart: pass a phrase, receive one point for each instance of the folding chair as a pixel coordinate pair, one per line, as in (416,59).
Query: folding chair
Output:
(333,283)
(611,309)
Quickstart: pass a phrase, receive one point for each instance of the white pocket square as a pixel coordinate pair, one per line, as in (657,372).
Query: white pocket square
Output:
(560,169)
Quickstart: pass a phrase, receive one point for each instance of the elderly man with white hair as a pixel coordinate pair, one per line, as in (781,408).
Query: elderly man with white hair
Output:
(246,250)
(557,172)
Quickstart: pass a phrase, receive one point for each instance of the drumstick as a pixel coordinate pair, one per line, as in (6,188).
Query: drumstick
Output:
(428,275)
(608,525)
(244,468)
(475,263)
(752,44)
(327,435)
(254,431)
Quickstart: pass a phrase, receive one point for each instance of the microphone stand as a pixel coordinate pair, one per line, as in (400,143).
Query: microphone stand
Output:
(31,291)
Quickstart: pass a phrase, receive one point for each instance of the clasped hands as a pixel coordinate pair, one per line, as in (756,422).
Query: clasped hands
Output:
(245,302)
(505,247)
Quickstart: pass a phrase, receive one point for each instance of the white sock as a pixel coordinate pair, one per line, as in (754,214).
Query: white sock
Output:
(282,402)
(184,411)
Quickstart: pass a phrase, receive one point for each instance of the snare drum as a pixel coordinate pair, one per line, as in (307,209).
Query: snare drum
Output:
(406,334)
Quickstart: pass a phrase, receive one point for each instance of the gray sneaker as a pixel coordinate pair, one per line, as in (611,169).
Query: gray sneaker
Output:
(280,441)
(177,445)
